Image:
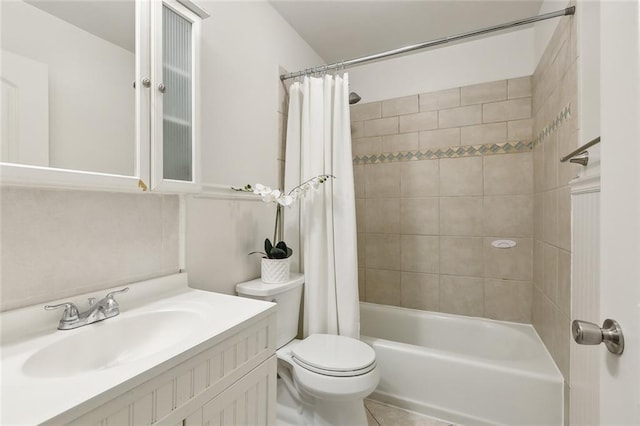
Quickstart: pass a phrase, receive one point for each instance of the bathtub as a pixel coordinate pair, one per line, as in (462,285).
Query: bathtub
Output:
(470,371)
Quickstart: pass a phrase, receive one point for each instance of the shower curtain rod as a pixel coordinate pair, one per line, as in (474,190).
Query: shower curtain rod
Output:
(343,64)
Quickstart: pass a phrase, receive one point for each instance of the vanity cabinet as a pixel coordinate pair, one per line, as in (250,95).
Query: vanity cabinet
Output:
(232,383)
(249,401)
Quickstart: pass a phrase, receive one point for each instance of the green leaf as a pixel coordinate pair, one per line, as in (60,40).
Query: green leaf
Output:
(283,246)
(277,253)
(267,246)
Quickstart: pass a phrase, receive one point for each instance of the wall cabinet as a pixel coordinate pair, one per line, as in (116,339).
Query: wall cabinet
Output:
(173,89)
(162,62)
(232,383)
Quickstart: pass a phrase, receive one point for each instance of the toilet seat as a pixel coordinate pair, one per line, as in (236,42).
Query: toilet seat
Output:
(326,382)
(335,356)
(333,373)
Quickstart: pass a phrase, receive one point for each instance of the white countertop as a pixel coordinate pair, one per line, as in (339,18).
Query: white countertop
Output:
(29,398)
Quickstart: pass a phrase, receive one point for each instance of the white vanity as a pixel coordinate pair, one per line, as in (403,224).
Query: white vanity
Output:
(174,356)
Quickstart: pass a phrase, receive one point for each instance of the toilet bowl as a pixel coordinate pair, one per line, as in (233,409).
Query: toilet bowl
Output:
(322,379)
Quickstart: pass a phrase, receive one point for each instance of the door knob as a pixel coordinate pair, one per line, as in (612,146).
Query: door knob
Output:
(588,333)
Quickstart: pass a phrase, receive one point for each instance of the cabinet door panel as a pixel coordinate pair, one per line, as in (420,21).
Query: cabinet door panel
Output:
(250,401)
(174,83)
(177,99)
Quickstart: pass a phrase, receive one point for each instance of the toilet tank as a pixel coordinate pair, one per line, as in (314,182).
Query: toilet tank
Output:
(287,295)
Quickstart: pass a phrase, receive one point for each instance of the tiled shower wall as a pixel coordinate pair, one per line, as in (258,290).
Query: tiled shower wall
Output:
(556,134)
(439,176)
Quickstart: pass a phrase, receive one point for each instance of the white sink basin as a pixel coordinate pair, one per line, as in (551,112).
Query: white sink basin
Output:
(110,343)
(52,376)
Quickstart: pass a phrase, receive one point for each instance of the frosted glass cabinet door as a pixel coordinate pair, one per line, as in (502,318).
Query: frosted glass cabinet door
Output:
(174,121)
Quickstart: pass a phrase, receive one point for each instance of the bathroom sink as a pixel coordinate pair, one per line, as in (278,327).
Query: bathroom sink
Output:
(110,343)
(162,323)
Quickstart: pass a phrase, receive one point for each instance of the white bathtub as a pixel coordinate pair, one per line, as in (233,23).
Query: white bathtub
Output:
(470,371)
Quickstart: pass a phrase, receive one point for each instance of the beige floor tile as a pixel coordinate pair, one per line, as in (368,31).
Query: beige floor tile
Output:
(371,421)
(387,415)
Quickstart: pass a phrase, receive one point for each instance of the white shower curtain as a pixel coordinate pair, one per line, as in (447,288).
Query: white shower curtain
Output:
(321,228)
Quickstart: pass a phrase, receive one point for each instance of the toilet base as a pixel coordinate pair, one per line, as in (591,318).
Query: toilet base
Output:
(317,412)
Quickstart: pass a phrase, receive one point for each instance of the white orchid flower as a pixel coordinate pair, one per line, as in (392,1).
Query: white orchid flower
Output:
(286,200)
(261,190)
(271,196)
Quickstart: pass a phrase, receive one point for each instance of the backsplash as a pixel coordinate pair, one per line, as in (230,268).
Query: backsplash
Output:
(439,176)
(58,243)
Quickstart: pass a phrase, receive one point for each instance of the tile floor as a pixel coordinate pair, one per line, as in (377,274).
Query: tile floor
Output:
(379,414)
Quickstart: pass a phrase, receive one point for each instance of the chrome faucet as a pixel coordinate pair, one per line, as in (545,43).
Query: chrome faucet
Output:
(98,311)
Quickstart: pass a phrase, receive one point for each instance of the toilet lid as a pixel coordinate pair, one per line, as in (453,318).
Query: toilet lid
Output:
(334,355)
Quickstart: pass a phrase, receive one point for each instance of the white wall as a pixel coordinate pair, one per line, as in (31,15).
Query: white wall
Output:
(244,45)
(91,110)
(588,16)
(496,57)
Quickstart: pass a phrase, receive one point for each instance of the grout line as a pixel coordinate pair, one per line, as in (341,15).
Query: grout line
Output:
(407,411)
(372,416)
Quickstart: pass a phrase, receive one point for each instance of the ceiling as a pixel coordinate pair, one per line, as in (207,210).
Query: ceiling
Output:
(341,30)
(111,20)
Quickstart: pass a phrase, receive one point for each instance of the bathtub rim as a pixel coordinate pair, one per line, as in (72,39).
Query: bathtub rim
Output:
(528,327)
(447,315)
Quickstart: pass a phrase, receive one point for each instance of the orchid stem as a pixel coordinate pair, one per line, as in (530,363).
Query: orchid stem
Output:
(309,180)
(275,229)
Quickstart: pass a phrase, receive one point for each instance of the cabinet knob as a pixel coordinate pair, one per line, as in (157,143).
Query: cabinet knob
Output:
(145,82)
(162,88)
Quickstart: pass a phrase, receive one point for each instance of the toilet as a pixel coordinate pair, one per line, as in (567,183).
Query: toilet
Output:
(322,379)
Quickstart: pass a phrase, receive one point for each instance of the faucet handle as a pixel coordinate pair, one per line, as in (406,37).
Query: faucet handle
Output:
(113,293)
(70,311)
(110,305)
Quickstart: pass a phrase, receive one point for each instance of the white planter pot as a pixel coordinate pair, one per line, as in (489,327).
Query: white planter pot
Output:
(275,271)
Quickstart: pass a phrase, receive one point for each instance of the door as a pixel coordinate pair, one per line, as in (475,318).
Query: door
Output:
(620,208)
(25,110)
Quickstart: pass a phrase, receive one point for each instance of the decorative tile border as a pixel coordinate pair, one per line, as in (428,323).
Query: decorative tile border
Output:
(447,152)
(553,126)
(468,150)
